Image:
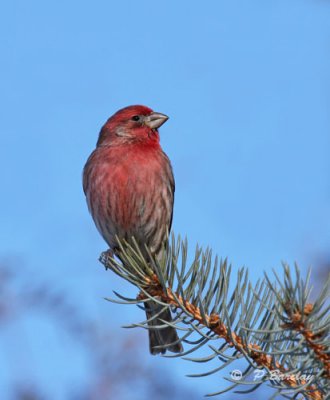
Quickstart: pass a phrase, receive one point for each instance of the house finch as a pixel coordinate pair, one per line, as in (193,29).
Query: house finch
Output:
(129,187)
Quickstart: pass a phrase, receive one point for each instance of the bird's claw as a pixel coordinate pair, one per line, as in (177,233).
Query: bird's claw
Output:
(105,256)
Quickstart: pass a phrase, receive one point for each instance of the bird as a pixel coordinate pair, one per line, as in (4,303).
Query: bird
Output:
(129,186)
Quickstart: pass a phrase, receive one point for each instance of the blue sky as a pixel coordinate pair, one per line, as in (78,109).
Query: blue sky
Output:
(246,86)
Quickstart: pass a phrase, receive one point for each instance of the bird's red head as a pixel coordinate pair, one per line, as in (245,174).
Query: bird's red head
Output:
(133,123)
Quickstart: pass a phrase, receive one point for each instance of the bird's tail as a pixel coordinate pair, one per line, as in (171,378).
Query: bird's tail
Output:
(164,339)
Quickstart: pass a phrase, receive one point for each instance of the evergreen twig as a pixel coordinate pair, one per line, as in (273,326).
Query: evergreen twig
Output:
(272,325)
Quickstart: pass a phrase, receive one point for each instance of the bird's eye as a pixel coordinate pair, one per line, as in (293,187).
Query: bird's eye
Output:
(136,118)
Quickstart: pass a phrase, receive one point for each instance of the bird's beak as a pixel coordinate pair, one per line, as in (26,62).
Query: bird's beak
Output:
(155,120)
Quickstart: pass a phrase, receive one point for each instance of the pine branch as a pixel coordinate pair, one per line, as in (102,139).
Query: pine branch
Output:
(303,317)
(274,329)
(214,323)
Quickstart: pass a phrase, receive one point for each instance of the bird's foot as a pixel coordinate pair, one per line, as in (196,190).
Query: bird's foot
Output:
(105,258)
